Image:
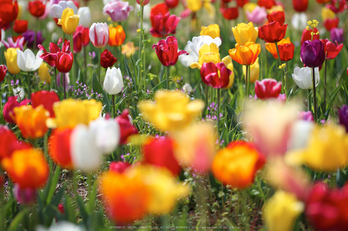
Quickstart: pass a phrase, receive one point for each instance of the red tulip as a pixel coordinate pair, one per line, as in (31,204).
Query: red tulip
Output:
(286,51)
(266,3)
(331,23)
(143,2)
(10,105)
(331,49)
(80,38)
(272,32)
(8,10)
(20,26)
(300,5)
(6,138)
(267,88)
(306,35)
(50,58)
(64,61)
(45,98)
(126,126)
(107,59)
(159,152)
(229,13)
(276,16)
(337,8)
(119,166)
(37,8)
(3,70)
(59,148)
(323,1)
(167,51)
(172,3)
(216,76)
(241,3)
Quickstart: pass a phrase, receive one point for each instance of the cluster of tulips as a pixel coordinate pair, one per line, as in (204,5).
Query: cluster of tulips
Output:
(59,112)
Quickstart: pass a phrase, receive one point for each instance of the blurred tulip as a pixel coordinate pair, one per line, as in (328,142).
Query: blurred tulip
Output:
(300,5)
(257,16)
(229,13)
(343,116)
(187,88)
(217,75)
(326,13)
(299,21)
(313,53)
(19,92)
(336,35)
(172,3)
(99,34)
(241,3)
(266,3)
(306,116)
(167,51)
(11,60)
(28,168)
(300,133)
(61,225)
(303,77)
(8,10)
(331,23)
(143,2)
(331,49)
(162,22)
(10,105)
(272,32)
(27,61)
(44,73)
(37,8)
(237,164)
(113,82)
(244,33)
(19,43)
(3,70)
(277,16)
(29,37)
(307,35)
(107,59)
(85,16)
(128,49)
(178,115)
(119,166)
(116,36)
(80,38)
(9,143)
(117,10)
(46,99)
(20,26)
(57,9)
(69,21)
(267,88)
(59,147)
(245,54)
(207,54)
(212,30)
(337,7)
(24,196)
(254,71)
(126,127)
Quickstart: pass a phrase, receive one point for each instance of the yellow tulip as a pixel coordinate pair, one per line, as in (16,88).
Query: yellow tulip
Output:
(281,211)
(212,30)
(244,33)
(326,150)
(275,9)
(326,13)
(194,5)
(71,112)
(254,71)
(69,21)
(128,49)
(229,64)
(209,8)
(44,73)
(245,54)
(250,6)
(207,54)
(11,60)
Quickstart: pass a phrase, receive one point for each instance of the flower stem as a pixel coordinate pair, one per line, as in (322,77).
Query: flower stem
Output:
(99,66)
(206,97)
(314,97)
(285,78)
(72,71)
(62,76)
(85,61)
(218,111)
(325,86)
(279,60)
(29,85)
(247,81)
(168,68)
(113,106)
(309,100)
(141,14)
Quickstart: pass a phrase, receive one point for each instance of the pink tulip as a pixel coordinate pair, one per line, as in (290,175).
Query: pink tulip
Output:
(267,88)
(117,10)
(99,34)
(257,16)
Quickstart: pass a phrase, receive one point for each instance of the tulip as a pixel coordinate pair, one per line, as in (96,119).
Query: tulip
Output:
(27,61)
(326,13)
(229,13)
(159,152)
(9,143)
(99,34)
(128,49)
(3,70)
(29,37)
(10,105)
(80,38)
(241,3)
(257,16)
(85,16)
(57,9)
(126,127)
(307,35)
(268,4)
(44,73)
(277,16)
(59,147)
(37,8)
(207,54)
(331,23)
(306,116)
(336,35)
(300,133)
(303,77)
(254,71)
(46,99)
(313,53)
(300,5)
(337,7)
(107,59)
(20,26)
(343,116)
(119,166)
(11,60)
(64,62)
(69,21)
(71,112)
(245,54)
(217,75)
(27,167)
(24,196)
(113,82)
(299,21)
(19,43)
(117,10)
(212,30)
(144,2)
(244,33)
(187,88)
(281,211)
(237,164)
(161,116)
(8,10)
(170,3)
(272,32)
(167,51)
(285,47)
(116,36)
(267,88)
(331,49)
(51,57)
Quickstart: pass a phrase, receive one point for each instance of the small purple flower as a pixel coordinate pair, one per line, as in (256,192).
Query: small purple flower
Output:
(343,116)
(313,53)
(29,37)
(336,35)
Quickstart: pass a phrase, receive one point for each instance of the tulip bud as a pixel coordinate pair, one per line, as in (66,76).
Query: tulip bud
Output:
(3,70)
(11,61)
(143,2)
(107,59)
(126,126)
(267,88)
(69,21)
(118,10)
(113,83)
(303,77)
(27,61)
(119,166)
(64,62)
(85,16)
(99,34)
(336,35)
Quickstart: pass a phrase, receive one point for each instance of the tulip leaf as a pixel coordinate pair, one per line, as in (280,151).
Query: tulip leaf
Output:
(92,197)
(82,209)
(341,178)
(98,88)
(129,73)
(158,86)
(69,210)
(330,103)
(51,185)
(18,220)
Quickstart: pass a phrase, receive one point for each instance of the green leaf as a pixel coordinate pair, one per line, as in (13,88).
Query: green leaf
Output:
(92,197)
(69,210)
(98,88)
(159,85)
(51,185)
(129,73)
(82,209)
(18,220)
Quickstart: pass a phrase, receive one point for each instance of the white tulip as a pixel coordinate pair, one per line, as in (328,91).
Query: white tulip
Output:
(85,154)
(61,226)
(299,134)
(57,9)
(2,38)
(113,82)
(303,77)
(299,21)
(19,91)
(27,61)
(85,16)
(51,25)
(106,133)
(193,48)
(187,88)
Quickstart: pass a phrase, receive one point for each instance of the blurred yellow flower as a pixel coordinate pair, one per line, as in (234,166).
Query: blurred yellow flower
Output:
(194,5)
(128,49)
(44,73)
(212,30)
(250,6)
(244,33)
(281,211)
(254,71)
(275,8)
(11,60)
(69,21)
(172,110)
(71,112)
(207,54)
(326,13)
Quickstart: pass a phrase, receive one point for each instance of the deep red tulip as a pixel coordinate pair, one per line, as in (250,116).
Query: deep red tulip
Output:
(229,13)
(167,51)
(10,105)
(46,99)
(216,76)
(323,1)
(306,35)
(277,16)
(159,152)
(286,51)
(9,143)
(3,70)
(172,3)
(20,26)
(64,61)
(162,22)
(8,10)
(300,5)
(331,49)
(126,126)
(337,8)
(272,32)
(241,3)
(266,3)
(50,58)
(267,88)
(37,8)
(80,38)
(107,59)
(119,166)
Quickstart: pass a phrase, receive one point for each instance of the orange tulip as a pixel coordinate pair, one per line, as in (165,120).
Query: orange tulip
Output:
(237,164)
(245,54)
(116,36)
(27,167)
(272,48)
(31,121)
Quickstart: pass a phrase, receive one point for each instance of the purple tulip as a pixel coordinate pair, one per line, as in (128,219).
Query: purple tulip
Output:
(343,116)
(29,37)
(336,35)
(313,53)
(117,10)
(24,196)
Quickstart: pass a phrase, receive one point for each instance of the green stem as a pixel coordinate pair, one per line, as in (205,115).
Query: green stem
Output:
(72,71)
(325,86)
(46,151)
(314,97)
(99,66)
(279,60)
(113,106)
(85,61)
(141,12)
(29,85)
(218,111)
(286,78)
(168,69)
(309,101)
(62,75)
(206,97)
(247,81)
